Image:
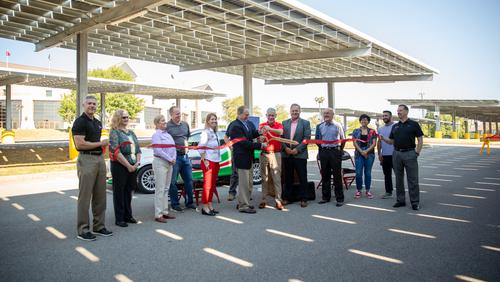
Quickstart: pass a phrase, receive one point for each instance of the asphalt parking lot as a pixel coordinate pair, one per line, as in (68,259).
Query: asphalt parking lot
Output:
(454,236)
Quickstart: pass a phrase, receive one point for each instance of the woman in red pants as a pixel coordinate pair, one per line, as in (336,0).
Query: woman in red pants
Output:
(210,159)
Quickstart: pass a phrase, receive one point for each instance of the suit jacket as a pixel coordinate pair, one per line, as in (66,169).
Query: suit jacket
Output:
(302,133)
(243,151)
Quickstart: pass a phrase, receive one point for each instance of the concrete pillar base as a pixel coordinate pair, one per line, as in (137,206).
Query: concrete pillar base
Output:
(73,153)
(467,135)
(438,134)
(8,137)
(454,135)
(476,135)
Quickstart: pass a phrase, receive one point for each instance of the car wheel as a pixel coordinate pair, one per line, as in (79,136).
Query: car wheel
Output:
(146,180)
(257,177)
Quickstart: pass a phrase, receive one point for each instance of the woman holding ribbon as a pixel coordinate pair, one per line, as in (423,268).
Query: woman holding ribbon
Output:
(210,158)
(164,159)
(125,155)
(365,140)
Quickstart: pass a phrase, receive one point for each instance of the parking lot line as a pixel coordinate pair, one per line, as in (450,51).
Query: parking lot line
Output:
(228,219)
(122,278)
(480,189)
(60,192)
(33,217)
(55,232)
(74,197)
(273,208)
(334,219)
(412,233)
(17,206)
(5,199)
(468,278)
(87,254)
(437,179)
(292,236)
(447,175)
(487,183)
(491,248)
(429,184)
(492,178)
(229,258)
(369,207)
(169,235)
(456,206)
(468,196)
(375,256)
(441,217)
(463,168)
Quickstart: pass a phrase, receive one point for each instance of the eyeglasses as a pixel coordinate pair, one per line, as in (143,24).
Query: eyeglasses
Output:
(124,117)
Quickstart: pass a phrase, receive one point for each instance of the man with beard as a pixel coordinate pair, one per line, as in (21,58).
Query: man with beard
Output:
(385,150)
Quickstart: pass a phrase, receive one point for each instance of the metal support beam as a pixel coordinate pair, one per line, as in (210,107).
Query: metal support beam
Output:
(178,103)
(81,71)
(484,127)
(345,122)
(331,95)
(438,120)
(385,78)
(345,53)
(8,107)
(491,128)
(454,120)
(496,128)
(476,126)
(103,109)
(123,12)
(9,80)
(247,87)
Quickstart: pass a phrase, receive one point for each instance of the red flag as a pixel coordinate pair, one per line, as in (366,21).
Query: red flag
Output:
(7,53)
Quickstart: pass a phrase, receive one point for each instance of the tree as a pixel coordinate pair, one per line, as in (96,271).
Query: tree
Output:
(314,120)
(231,105)
(129,102)
(281,113)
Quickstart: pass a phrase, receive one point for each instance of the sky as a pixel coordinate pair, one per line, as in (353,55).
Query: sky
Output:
(460,38)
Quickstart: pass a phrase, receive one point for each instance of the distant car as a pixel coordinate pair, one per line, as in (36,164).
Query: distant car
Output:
(145,174)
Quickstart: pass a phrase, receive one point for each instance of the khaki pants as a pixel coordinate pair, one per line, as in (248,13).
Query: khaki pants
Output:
(245,186)
(163,176)
(91,171)
(270,169)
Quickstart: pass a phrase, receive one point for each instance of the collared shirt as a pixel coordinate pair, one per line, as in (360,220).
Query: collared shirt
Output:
(386,148)
(180,133)
(129,151)
(90,128)
(330,131)
(273,145)
(162,137)
(293,128)
(210,139)
(404,134)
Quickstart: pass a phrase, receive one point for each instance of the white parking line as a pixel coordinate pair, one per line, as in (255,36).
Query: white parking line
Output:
(227,257)
(5,199)
(74,197)
(429,166)
(456,206)
(60,192)
(447,175)
(292,236)
(55,232)
(488,183)
(229,219)
(430,184)
(480,189)
(463,168)
(441,217)
(33,217)
(17,206)
(168,234)
(334,219)
(468,196)
(491,248)
(87,254)
(369,207)
(122,278)
(273,208)
(492,178)
(412,233)
(437,179)
(375,256)
(468,278)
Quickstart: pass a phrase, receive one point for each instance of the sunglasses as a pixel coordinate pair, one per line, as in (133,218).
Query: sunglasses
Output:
(124,117)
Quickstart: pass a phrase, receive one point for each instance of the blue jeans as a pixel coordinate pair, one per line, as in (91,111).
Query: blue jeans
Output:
(364,165)
(182,166)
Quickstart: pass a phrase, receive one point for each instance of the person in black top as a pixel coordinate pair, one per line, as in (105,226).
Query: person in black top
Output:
(91,171)
(405,155)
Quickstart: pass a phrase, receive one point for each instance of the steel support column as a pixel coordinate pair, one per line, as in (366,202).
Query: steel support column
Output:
(103,109)
(331,95)
(345,123)
(81,70)
(178,103)
(247,87)
(454,133)
(8,107)
(438,133)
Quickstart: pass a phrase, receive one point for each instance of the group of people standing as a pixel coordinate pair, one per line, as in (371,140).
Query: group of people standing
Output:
(284,154)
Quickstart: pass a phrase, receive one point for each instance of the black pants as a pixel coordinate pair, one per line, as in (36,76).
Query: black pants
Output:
(387,169)
(299,166)
(331,163)
(123,184)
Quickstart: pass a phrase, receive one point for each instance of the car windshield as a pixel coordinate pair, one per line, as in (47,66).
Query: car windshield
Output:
(194,139)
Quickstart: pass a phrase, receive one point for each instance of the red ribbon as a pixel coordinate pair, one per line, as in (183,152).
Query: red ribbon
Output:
(230,143)
(493,137)
(114,156)
(340,140)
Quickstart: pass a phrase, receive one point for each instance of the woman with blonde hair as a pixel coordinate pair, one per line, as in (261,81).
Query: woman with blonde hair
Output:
(210,159)
(125,156)
(163,161)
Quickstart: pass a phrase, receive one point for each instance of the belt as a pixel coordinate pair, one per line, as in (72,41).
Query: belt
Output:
(405,150)
(93,153)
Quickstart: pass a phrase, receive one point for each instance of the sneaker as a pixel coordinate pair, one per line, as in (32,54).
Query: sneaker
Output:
(387,196)
(87,236)
(369,195)
(103,232)
(357,195)
(230,197)
(177,208)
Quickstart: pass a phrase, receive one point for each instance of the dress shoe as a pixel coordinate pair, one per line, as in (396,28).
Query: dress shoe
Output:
(214,211)
(323,202)
(279,206)
(160,219)
(415,207)
(285,202)
(121,223)
(399,204)
(191,206)
(166,216)
(303,204)
(131,220)
(339,204)
(231,197)
(262,205)
(248,210)
(177,208)
(209,212)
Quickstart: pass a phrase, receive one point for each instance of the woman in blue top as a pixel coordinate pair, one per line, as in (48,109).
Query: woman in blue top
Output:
(364,155)
(125,158)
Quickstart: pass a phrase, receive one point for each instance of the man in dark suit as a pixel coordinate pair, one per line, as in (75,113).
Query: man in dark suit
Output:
(295,156)
(243,156)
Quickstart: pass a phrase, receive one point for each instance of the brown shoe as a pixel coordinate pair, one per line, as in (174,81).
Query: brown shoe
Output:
(303,204)
(166,216)
(279,206)
(160,220)
(262,205)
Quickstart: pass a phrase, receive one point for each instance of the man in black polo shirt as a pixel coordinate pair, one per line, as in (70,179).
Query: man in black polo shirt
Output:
(405,155)
(91,171)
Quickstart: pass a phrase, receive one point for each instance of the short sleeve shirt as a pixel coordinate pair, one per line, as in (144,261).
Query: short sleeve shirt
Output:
(404,134)
(90,128)
(180,132)
(273,145)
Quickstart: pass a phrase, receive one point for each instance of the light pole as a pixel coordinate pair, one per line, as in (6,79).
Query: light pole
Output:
(421,94)
(319,100)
